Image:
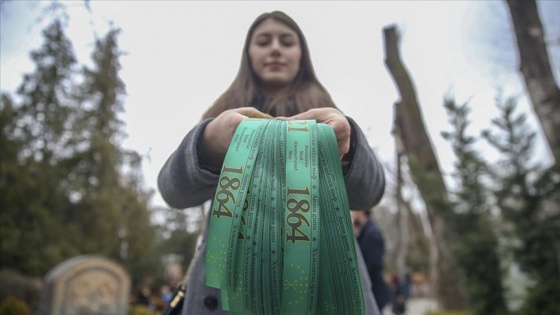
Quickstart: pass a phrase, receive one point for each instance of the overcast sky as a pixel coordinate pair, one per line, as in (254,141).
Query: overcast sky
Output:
(180,55)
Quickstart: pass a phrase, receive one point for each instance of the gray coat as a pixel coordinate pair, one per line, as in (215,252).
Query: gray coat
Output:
(183,183)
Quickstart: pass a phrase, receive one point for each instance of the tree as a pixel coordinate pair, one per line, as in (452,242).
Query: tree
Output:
(401,217)
(114,210)
(536,70)
(34,203)
(527,197)
(409,126)
(406,235)
(475,246)
(68,188)
(174,236)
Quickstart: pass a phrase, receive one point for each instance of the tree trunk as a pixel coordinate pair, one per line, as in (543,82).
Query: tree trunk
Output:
(535,67)
(427,176)
(402,214)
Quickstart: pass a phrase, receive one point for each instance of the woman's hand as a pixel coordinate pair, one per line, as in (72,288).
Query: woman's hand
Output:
(219,132)
(334,118)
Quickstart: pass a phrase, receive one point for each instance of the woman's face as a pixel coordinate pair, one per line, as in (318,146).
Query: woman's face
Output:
(275,53)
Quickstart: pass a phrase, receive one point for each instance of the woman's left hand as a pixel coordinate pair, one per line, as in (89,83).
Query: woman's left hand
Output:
(332,117)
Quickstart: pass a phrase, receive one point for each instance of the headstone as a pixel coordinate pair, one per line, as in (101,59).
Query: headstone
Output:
(86,285)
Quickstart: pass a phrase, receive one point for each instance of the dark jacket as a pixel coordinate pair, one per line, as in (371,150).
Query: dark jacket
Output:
(183,183)
(372,246)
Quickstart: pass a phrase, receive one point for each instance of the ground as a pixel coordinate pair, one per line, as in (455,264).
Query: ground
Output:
(416,306)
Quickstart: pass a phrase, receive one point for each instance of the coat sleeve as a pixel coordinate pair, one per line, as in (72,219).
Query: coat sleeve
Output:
(182,182)
(365,177)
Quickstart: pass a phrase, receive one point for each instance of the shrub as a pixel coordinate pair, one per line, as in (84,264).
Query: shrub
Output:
(138,310)
(14,306)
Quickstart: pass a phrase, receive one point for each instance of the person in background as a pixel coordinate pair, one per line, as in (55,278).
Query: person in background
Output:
(372,246)
(398,299)
(165,294)
(275,78)
(407,285)
(144,297)
(161,300)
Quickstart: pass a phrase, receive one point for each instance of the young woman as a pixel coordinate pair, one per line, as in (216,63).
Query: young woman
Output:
(275,79)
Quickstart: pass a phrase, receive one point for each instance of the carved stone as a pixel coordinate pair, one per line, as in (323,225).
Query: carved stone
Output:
(86,285)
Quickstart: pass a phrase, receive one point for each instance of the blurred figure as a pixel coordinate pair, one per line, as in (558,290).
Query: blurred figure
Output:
(398,299)
(144,297)
(166,294)
(372,247)
(407,285)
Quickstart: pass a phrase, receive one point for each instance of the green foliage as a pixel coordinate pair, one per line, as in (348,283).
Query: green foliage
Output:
(475,246)
(14,306)
(34,203)
(20,287)
(68,188)
(529,200)
(543,299)
(176,240)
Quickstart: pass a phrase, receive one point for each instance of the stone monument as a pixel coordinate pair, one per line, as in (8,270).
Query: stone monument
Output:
(86,285)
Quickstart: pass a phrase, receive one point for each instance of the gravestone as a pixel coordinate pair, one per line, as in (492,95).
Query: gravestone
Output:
(86,285)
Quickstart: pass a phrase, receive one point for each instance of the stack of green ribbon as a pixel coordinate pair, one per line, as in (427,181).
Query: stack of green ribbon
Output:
(280,238)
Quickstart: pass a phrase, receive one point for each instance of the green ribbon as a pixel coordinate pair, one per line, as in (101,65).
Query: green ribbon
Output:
(280,236)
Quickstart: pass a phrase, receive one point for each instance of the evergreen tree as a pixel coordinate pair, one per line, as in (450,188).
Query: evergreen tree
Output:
(174,235)
(113,205)
(528,196)
(68,188)
(97,178)
(10,171)
(37,135)
(476,246)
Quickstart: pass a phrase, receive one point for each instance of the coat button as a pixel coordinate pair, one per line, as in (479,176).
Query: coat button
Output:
(211,302)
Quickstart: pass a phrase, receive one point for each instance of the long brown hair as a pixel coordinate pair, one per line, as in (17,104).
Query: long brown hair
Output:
(305,92)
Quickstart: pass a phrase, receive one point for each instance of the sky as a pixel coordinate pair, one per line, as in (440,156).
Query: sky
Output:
(181,55)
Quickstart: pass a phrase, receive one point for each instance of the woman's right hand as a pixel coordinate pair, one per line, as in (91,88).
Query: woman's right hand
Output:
(217,135)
